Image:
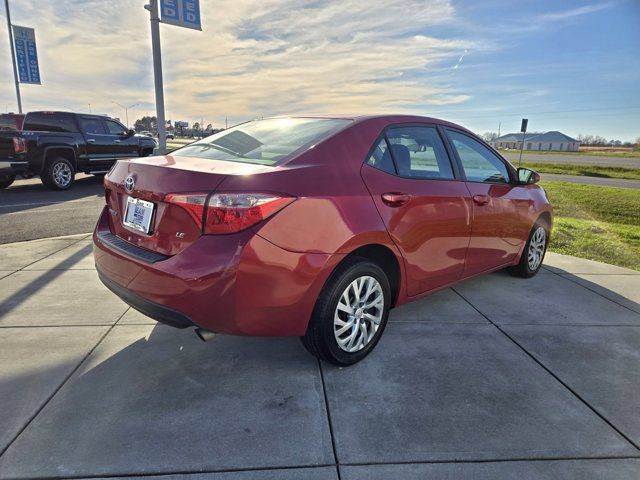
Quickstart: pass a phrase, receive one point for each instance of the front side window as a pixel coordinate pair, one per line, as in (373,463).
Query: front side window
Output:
(114,128)
(419,152)
(263,142)
(478,162)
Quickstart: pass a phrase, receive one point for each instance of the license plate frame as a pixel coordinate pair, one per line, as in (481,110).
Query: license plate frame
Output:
(141,216)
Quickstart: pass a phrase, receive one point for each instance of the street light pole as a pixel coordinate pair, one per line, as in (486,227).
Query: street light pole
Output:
(13,56)
(157,73)
(126,110)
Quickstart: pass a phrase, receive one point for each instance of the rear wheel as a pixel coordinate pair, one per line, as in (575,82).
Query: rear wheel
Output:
(533,254)
(350,314)
(59,174)
(6,180)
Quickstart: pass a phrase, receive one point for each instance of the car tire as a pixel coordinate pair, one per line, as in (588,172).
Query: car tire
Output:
(533,253)
(6,180)
(59,174)
(342,329)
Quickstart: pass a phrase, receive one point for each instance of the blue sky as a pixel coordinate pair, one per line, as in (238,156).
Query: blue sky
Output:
(572,66)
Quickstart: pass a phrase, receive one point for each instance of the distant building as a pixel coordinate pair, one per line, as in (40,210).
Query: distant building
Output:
(538,141)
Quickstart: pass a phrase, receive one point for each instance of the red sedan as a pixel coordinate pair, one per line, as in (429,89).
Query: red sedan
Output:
(315,226)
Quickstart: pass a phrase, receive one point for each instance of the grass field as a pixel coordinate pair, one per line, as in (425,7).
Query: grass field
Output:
(598,223)
(603,171)
(589,153)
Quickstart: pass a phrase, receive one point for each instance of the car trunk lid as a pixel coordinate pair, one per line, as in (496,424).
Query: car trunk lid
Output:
(171,227)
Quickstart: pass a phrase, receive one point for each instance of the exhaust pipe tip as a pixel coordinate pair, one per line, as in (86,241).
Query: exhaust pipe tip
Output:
(205,335)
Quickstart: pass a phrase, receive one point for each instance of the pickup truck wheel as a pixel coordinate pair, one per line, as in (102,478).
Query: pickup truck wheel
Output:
(6,180)
(59,174)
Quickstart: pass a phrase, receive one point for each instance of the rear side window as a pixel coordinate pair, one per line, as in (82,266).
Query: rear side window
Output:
(92,125)
(50,122)
(263,141)
(381,159)
(478,162)
(419,152)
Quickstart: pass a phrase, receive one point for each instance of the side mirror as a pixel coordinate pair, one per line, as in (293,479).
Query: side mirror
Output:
(527,176)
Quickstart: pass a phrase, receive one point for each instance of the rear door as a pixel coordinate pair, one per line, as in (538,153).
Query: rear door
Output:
(498,229)
(425,209)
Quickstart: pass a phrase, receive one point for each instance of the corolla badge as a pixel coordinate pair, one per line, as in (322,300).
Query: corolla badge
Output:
(129,183)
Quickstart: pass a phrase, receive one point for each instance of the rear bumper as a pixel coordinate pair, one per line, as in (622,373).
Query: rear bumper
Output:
(8,167)
(236,284)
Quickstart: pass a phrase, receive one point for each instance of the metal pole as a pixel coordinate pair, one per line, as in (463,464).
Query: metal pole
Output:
(157,73)
(521,148)
(13,56)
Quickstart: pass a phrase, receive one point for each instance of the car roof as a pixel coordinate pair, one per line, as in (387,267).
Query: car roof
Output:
(389,119)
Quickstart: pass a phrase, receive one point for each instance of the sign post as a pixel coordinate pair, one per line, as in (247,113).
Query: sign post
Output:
(523,129)
(183,13)
(13,55)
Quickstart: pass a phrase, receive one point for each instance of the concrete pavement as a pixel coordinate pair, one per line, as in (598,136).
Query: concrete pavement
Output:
(496,378)
(600,181)
(628,162)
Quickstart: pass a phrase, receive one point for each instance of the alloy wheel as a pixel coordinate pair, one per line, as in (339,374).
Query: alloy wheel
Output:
(62,174)
(358,314)
(536,248)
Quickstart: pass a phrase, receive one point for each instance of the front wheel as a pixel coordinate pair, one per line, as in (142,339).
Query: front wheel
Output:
(533,253)
(350,314)
(6,180)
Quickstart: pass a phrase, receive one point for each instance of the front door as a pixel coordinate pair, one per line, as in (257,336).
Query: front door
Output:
(120,144)
(498,229)
(425,209)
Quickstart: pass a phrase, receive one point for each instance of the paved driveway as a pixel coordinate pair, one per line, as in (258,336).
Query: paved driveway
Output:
(497,378)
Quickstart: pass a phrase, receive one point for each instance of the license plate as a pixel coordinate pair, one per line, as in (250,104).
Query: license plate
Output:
(138,214)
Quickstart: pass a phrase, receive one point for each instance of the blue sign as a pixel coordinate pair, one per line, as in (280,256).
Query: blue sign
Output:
(26,54)
(183,13)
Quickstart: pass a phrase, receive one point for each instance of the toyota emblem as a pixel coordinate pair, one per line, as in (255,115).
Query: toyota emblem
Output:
(129,184)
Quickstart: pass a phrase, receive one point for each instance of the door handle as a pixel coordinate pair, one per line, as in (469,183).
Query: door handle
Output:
(91,140)
(395,199)
(481,199)
(116,141)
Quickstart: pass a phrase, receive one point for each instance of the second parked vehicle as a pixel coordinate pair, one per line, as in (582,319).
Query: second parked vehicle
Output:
(57,145)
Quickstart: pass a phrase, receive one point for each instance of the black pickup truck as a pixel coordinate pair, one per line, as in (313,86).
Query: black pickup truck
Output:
(56,145)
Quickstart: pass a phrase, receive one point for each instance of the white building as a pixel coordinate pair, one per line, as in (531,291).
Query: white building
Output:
(537,141)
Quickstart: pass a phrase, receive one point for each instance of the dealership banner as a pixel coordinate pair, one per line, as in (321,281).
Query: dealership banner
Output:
(26,54)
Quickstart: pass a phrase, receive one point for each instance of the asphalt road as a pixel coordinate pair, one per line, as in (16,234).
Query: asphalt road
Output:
(576,159)
(29,211)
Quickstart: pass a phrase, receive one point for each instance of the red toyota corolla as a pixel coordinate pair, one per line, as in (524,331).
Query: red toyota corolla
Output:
(315,226)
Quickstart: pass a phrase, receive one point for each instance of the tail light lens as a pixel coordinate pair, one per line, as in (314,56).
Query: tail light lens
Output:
(223,213)
(19,145)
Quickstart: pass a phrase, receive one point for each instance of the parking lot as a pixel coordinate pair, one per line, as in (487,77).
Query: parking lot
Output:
(498,377)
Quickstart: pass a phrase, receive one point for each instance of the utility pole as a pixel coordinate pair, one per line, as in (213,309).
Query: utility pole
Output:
(13,56)
(157,73)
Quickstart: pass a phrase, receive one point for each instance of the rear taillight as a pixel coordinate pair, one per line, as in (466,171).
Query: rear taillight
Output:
(228,212)
(19,145)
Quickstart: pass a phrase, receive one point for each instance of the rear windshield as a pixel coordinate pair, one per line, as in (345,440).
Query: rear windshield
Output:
(263,142)
(8,122)
(50,122)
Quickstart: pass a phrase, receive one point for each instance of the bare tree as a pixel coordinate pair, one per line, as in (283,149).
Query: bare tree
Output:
(489,136)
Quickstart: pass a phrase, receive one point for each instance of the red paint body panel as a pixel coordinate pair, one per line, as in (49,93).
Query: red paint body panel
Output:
(265,280)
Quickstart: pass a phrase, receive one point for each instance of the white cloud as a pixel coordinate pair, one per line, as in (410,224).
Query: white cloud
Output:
(252,58)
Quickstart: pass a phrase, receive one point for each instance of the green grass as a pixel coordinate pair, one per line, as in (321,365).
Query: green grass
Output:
(598,223)
(588,153)
(603,171)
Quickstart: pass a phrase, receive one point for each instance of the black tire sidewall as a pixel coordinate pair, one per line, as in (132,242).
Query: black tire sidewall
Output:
(7,180)
(326,313)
